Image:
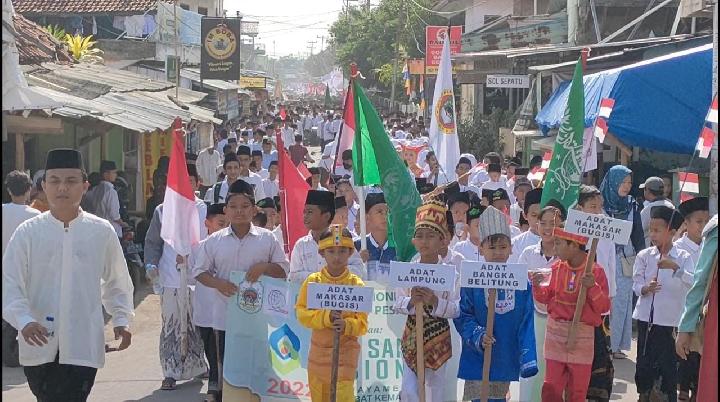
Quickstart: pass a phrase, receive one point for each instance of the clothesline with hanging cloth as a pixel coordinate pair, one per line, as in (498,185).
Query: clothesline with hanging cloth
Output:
(660,103)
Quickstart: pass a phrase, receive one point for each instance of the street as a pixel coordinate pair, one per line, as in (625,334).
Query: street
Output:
(135,374)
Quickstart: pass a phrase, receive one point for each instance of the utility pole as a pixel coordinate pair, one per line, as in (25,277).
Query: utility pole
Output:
(322,42)
(311,46)
(397,51)
(573,12)
(177,58)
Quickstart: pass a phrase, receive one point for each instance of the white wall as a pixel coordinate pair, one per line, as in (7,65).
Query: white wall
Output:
(475,16)
(211,5)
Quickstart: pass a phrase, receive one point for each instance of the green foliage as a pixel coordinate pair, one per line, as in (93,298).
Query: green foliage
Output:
(57,32)
(321,63)
(481,134)
(367,37)
(82,49)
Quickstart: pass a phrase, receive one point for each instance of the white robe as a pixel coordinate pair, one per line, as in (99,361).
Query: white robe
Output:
(69,274)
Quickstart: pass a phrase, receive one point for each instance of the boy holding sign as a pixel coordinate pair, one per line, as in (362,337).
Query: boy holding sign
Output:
(569,365)
(508,336)
(431,237)
(336,246)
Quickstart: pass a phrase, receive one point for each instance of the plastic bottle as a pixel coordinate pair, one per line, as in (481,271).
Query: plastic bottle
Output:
(50,325)
(154,276)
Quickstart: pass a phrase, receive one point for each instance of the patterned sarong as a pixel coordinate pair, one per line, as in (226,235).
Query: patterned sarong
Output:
(438,346)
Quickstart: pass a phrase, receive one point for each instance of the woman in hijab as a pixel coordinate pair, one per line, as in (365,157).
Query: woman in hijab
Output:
(618,203)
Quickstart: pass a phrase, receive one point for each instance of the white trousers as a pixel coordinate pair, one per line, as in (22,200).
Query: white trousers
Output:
(434,385)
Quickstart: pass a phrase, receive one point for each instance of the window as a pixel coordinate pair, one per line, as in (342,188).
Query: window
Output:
(203,10)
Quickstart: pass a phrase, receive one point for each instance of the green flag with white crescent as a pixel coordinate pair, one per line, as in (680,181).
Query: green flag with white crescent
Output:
(562,182)
(375,161)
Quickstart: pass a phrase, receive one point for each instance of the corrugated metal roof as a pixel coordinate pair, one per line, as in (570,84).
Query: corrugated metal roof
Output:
(82,6)
(194,75)
(35,45)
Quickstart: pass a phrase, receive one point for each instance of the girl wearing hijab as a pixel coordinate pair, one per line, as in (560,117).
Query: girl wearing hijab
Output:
(619,204)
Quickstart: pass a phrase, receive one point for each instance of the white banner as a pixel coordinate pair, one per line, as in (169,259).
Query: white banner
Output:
(599,226)
(323,296)
(432,276)
(493,275)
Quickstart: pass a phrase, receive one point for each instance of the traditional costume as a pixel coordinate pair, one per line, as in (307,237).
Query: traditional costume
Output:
(321,343)
(436,327)
(513,354)
(60,275)
(568,370)
(305,259)
(658,313)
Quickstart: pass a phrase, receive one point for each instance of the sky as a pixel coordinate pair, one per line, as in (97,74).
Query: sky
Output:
(290,24)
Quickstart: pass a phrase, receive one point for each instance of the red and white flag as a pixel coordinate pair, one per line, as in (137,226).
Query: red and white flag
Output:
(606,107)
(180,221)
(712,116)
(601,128)
(304,172)
(689,182)
(347,131)
(705,142)
(547,157)
(538,172)
(293,192)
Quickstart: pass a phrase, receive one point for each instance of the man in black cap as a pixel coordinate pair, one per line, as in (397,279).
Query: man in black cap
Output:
(104,198)
(305,259)
(379,253)
(341,214)
(75,253)
(231,167)
(161,256)
(252,178)
(257,159)
(531,212)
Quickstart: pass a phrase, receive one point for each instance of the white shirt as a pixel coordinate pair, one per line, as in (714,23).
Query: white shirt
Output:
(441,177)
(328,156)
(12,216)
(534,258)
(69,274)
(523,241)
(278,233)
(645,217)
(605,256)
(223,252)
(468,250)
(220,145)
(305,259)
(207,164)
(167,266)
(271,187)
(263,173)
(669,301)
(515,213)
(684,243)
(448,302)
(328,132)
(495,185)
(109,206)
(400,135)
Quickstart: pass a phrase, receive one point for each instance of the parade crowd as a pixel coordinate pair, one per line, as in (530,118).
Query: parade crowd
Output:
(62,263)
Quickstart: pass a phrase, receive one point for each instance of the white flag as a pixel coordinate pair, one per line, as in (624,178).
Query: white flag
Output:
(443,127)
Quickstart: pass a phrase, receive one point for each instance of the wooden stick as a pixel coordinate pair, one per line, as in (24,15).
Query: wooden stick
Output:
(335,365)
(487,354)
(420,346)
(221,379)
(582,295)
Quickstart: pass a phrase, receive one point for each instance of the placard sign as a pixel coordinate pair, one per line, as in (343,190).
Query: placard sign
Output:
(325,296)
(220,53)
(438,277)
(599,226)
(507,81)
(493,275)
(434,38)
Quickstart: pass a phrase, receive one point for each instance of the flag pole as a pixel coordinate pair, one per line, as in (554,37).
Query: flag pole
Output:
(582,296)
(487,353)
(335,366)
(420,349)
(363,223)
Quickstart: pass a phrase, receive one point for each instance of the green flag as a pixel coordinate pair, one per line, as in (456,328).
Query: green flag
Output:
(327,95)
(562,182)
(375,161)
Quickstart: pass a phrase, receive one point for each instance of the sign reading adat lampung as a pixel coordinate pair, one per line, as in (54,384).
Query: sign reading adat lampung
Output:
(220,54)
(493,275)
(432,276)
(599,226)
(434,37)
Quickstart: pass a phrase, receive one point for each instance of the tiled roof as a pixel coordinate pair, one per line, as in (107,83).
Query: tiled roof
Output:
(35,45)
(82,6)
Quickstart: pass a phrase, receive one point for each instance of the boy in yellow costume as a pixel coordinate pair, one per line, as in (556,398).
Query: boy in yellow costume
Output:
(336,246)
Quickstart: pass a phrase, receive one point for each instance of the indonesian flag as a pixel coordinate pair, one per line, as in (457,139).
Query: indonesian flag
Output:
(293,192)
(705,142)
(606,107)
(712,116)
(689,182)
(601,128)
(547,157)
(538,172)
(180,221)
(347,131)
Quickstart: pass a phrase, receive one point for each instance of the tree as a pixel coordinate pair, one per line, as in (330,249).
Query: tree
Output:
(367,37)
(481,134)
(321,63)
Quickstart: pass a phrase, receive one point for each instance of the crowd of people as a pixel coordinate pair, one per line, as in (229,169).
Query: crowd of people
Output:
(488,211)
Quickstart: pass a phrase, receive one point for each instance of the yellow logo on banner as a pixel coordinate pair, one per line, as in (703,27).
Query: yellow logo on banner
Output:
(445,112)
(220,42)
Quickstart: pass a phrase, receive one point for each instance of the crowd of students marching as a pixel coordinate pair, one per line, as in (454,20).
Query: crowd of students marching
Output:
(491,213)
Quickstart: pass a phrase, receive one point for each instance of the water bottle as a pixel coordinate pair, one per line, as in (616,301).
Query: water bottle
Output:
(152,273)
(50,326)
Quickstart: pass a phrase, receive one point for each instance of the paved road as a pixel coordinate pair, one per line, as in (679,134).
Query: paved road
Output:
(135,375)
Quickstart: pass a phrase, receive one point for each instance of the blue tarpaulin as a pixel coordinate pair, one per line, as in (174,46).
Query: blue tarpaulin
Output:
(660,103)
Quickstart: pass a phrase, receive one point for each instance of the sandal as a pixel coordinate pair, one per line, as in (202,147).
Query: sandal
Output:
(168,384)
(619,355)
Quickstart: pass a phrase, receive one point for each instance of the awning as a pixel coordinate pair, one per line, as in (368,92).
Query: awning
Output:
(660,103)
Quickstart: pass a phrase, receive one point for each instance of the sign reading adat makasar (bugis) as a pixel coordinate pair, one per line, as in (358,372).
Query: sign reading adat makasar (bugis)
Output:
(493,275)
(599,226)
(323,296)
(432,276)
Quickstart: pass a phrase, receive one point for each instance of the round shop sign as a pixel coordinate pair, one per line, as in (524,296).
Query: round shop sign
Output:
(444,113)
(220,42)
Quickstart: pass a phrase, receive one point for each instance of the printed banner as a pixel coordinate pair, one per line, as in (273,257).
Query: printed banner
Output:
(220,56)
(154,145)
(266,349)
(434,37)
(599,226)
